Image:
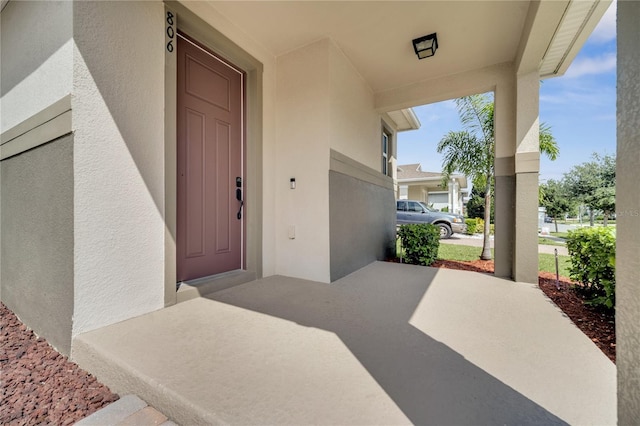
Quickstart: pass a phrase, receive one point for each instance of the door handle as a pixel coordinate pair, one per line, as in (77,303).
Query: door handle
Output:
(239,196)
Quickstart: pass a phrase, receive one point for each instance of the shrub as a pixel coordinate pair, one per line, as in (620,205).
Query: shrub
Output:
(593,254)
(420,243)
(474,226)
(471,226)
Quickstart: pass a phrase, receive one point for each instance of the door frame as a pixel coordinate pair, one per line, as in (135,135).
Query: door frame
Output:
(188,23)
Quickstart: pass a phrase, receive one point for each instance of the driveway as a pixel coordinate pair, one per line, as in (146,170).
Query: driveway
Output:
(388,344)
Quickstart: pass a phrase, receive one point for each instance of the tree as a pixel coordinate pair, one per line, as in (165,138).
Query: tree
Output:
(555,199)
(475,205)
(594,184)
(471,151)
(548,144)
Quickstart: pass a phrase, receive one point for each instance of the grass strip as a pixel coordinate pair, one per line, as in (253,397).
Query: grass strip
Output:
(546,262)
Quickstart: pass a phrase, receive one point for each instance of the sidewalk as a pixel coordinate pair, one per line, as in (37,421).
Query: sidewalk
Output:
(476,241)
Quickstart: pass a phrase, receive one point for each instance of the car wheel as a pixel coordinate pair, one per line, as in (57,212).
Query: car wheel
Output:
(445,230)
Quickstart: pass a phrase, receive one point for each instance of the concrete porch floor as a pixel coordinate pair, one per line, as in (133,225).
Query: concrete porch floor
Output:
(388,344)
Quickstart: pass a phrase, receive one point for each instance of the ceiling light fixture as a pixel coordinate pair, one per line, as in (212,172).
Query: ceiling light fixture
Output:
(425,46)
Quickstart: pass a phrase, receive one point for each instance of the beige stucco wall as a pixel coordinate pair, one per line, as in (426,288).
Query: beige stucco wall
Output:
(354,125)
(118,116)
(416,193)
(36,64)
(303,130)
(322,104)
(628,219)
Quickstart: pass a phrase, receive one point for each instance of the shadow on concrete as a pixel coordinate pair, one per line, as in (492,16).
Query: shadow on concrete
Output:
(370,311)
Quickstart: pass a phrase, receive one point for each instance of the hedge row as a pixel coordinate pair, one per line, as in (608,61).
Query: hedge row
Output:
(474,226)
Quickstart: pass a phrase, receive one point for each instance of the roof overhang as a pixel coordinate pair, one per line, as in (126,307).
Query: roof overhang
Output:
(405,119)
(578,22)
(554,34)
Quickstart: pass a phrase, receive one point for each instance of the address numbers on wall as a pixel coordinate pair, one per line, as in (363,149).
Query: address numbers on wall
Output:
(171,32)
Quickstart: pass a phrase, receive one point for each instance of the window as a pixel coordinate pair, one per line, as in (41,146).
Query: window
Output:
(415,207)
(385,152)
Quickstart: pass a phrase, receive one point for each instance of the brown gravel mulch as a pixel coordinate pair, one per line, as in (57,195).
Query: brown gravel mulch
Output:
(597,324)
(40,386)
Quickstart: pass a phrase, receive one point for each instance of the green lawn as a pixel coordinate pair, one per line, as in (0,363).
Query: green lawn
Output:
(546,262)
(546,241)
(459,252)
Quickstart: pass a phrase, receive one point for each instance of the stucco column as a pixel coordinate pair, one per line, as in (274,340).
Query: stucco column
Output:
(504,132)
(527,167)
(628,215)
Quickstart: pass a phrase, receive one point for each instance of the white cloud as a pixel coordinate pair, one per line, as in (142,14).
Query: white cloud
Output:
(577,95)
(606,29)
(590,66)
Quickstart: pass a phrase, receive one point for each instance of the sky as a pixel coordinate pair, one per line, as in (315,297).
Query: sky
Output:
(580,107)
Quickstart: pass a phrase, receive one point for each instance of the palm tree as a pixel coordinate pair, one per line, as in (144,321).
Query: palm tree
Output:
(471,151)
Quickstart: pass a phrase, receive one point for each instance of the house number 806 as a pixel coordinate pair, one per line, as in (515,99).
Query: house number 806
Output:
(170,31)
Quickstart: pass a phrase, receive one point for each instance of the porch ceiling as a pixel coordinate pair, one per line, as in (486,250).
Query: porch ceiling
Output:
(376,35)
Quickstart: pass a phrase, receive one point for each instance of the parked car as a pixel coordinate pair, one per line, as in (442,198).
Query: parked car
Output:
(410,211)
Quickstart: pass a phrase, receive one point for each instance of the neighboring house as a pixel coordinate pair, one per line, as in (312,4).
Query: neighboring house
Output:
(414,184)
(130,129)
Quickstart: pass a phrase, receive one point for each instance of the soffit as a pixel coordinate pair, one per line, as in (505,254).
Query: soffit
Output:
(578,21)
(376,35)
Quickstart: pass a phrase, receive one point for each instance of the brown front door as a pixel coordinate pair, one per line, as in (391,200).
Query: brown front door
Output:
(209,216)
